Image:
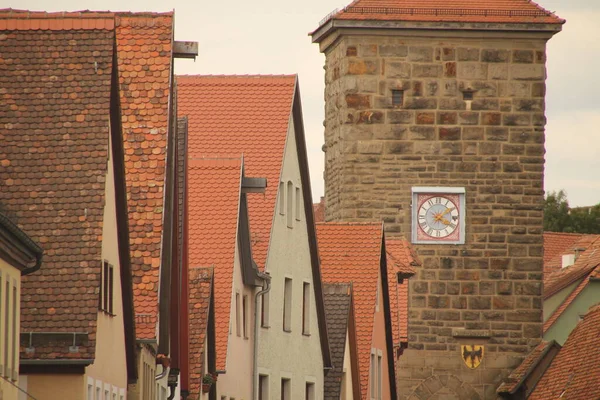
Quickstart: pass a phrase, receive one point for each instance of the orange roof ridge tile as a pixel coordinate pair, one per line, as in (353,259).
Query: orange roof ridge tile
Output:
(217,76)
(350,223)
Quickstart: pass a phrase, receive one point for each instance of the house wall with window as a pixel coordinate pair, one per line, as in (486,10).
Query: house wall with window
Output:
(236,382)
(289,342)
(379,387)
(10,295)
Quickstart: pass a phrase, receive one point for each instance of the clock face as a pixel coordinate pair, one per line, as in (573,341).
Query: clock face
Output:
(438,215)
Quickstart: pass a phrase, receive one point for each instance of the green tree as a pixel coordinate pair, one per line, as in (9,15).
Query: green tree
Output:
(559,217)
(556,212)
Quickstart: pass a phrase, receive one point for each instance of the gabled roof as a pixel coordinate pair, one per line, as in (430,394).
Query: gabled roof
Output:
(573,373)
(517,377)
(214,201)
(144,44)
(55,104)
(200,297)
(482,11)
(351,252)
(247,115)
(338,304)
(17,249)
(401,259)
(584,265)
(558,244)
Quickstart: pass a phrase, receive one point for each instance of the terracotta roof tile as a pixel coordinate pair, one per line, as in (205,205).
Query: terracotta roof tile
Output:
(246,115)
(200,294)
(22,20)
(573,373)
(559,244)
(54,117)
(319,210)
(351,252)
(516,377)
(144,44)
(585,264)
(400,258)
(214,196)
(484,11)
(338,301)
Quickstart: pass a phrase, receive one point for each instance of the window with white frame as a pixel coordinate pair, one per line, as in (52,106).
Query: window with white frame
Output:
(263,387)
(373,377)
(281,204)
(238,322)
(106,298)
(290,204)
(298,204)
(379,373)
(306,308)
(264,310)
(245,315)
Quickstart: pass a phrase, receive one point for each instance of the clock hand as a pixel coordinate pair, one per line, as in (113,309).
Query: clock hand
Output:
(447,210)
(445,221)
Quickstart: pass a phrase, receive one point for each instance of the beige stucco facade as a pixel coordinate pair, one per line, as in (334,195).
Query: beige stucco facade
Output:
(378,348)
(290,355)
(347,392)
(10,295)
(236,382)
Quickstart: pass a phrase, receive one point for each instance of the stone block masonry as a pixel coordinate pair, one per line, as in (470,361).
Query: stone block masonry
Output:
(377,149)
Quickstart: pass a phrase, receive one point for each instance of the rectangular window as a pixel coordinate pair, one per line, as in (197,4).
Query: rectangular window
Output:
(373,379)
(397,98)
(98,392)
(309,391)
(245,316)
(287,305)
(7,371)
(105,300)
(379,357)
(90,391)
(15,343)
(298,204)
(306,308)
(238,327)
(264,310)
(263,387)
(344,383)
(286,389)
(281,198)
(290,204)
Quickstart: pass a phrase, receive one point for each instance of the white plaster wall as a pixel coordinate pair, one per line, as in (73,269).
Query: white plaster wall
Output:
(9,274)
(110,363)
(236,382)
(290,354)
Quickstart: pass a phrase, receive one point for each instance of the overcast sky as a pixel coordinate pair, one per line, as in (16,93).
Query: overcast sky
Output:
(270,37)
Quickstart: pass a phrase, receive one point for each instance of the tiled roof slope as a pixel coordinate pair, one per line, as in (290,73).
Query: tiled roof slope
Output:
(585,263)
(214,197)
(200,294)
(338,300)
(400,258)
(242,115)
(54,115)
(483,11)
(516,377)
(144,44)
(574,372)
(351,252)
(581,243)
(556,243)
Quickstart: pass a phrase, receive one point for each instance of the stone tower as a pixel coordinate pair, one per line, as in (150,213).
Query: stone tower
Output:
(434,123)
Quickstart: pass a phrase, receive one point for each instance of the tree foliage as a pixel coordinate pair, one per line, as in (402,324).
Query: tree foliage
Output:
(559,217)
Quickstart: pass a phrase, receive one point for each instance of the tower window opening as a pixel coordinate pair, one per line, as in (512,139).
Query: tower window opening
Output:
(397,98)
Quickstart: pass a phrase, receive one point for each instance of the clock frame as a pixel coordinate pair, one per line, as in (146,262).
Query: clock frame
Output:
(438,215)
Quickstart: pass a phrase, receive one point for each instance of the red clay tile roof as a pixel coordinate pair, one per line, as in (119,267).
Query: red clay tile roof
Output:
(319,210)
(144,43)
(573,241)
(214,197)
(522,371)
(242,115)
(338,302)
(585,264)
(400,258)
(200,294)
(483,11)
(54,116)
(556,243)
(351,252)
(21,20)
(574,372)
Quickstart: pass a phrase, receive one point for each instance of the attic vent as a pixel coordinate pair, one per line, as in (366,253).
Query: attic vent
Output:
(568,260)
(468,94)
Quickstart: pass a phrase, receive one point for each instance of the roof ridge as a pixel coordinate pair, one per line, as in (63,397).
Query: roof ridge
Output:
(236,76)
(349,223)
